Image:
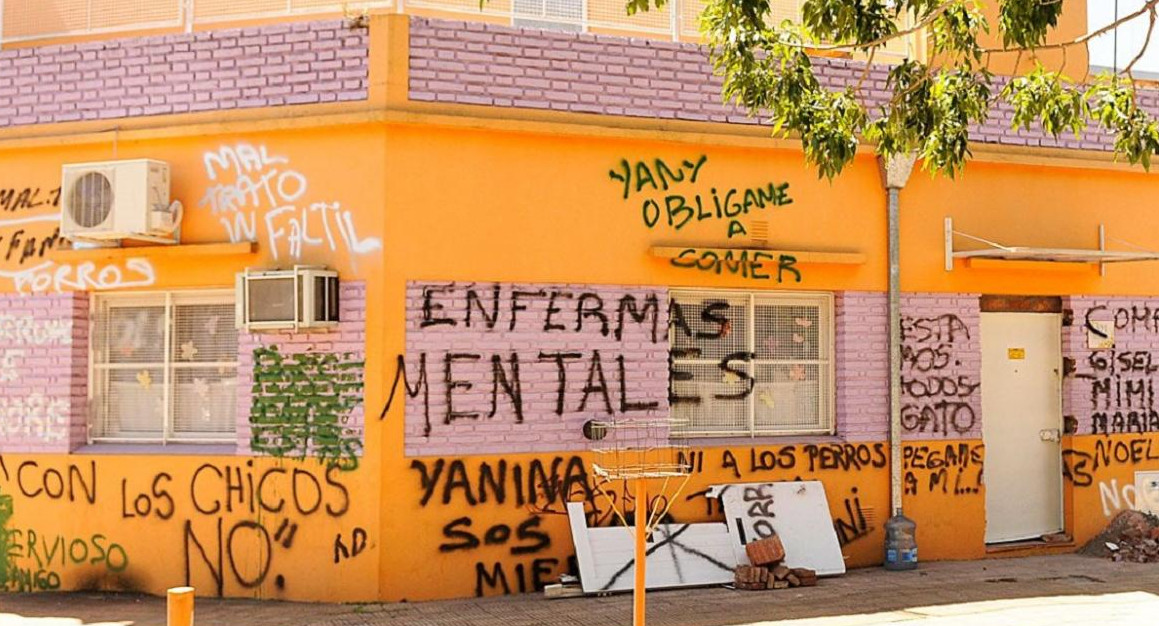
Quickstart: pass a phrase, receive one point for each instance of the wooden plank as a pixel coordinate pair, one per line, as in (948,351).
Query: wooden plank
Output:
(153,252)
(1029,265)
(803,257)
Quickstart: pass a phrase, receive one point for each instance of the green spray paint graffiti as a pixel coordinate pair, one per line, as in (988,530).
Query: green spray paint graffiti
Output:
(303,403)
(5,515)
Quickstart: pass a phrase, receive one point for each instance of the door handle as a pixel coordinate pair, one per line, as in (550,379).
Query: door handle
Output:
(1050,434)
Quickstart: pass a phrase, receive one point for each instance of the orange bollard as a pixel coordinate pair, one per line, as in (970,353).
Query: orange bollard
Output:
(180,606)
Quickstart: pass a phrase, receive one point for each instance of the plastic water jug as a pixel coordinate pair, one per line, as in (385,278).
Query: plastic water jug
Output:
(901,544)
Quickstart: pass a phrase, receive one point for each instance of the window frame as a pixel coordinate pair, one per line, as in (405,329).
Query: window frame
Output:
(827,395)
(98,305)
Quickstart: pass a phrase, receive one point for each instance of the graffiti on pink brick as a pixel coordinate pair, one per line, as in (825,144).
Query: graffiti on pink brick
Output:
(938,392)
(34,418)
(303,405)
(552,352)
(25,330)
(1121,380)
(255,194)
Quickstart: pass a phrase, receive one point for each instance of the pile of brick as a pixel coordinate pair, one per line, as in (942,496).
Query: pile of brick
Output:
(767,570)
(1131,536)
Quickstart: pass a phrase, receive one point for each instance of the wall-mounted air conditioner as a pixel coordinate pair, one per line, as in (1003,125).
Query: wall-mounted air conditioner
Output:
(303,297)
(115,200)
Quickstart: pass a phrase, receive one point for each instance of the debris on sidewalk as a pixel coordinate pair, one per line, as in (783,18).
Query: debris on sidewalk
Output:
(768,571)
(1131,536)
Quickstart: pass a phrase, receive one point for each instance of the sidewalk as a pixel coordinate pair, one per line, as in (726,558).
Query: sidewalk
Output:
(1098,592)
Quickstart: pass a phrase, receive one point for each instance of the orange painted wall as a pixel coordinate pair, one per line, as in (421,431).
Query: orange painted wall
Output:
(144,503)
(489,205)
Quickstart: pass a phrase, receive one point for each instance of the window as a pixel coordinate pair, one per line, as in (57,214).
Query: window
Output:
(751,363)
(549,14)
(1115,49)
(164,367)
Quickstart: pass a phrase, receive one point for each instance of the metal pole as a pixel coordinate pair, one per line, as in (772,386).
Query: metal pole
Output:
(180,606)
(895,485)
(641,551)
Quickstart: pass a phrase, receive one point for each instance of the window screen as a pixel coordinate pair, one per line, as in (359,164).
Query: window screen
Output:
(164,367)
(751,363)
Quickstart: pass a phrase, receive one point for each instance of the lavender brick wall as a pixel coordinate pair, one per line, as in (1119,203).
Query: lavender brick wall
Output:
(347,342)
(272,65)
(43,372)
(471,399)
(862,365)
(941,366)
(486,64)
(1112,390)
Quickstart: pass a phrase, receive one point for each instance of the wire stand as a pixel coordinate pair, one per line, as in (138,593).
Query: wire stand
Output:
(638,450)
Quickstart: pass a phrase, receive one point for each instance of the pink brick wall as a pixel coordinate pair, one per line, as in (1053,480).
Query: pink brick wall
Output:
(862,365)
(347,344)
(1108,391)
(471,406)
(941,366)
(43,372)
(485,64)
(277,64)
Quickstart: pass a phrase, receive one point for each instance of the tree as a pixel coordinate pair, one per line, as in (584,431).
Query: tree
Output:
(768,71)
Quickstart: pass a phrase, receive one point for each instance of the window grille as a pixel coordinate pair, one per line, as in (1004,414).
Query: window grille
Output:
(164,367)
(751,363)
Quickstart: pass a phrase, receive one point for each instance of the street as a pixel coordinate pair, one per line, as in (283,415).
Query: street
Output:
(1031,591)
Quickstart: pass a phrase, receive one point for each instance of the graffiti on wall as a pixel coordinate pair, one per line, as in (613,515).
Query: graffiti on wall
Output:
(26,414)
(1121,381)
(229,524)
(672,195)
(28,234)
(500,356)
(938,393)
(504,520)
(303,405)
(258,195)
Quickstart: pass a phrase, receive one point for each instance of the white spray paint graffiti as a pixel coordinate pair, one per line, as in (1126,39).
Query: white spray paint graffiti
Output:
(26,329)
(35,416)
(58,277)
(22,331)
(266,192)
(1116,498)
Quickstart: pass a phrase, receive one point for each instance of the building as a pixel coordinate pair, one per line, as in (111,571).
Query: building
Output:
(532,229)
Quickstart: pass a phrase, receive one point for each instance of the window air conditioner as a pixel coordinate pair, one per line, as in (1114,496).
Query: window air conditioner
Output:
(114,200)
(303,297)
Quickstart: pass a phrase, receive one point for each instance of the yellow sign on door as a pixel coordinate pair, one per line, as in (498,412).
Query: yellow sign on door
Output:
(1016,354)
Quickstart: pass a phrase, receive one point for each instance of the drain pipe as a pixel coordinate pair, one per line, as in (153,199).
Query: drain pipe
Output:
(900,541)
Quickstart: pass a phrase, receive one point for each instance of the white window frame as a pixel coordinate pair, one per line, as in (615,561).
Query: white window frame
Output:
(98,301)
(827,395)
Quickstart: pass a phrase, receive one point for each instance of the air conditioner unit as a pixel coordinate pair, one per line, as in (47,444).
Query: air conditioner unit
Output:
(303,297)
(115,200)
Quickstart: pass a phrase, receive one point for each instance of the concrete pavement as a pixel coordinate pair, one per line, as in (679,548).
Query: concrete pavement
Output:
(1033,591)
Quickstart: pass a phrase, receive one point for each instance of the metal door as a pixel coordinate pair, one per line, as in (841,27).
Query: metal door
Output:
(1021,424)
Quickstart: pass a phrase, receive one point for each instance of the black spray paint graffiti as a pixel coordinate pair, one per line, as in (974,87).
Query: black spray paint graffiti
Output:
(538,486)
(950,469)
(936,396)
(302,405)
(13,199)
(852,523)
(1122,387)
(234,518)
(585,380)
(746,263)
(1080,467)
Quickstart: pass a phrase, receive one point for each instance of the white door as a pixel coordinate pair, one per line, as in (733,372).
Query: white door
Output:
(1021,424)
